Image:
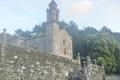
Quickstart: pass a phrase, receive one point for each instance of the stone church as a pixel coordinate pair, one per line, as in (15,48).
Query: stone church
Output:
(54,41)
(47,57)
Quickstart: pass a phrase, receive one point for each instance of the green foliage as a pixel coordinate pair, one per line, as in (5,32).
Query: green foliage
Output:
(104,47)
(24,33)
(36,31)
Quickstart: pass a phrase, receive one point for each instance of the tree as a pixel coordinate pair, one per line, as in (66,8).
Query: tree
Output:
(25,34)
(63,24)
(106,30)
(105,48)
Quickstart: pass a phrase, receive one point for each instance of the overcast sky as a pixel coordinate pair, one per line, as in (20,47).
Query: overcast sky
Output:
(25,14)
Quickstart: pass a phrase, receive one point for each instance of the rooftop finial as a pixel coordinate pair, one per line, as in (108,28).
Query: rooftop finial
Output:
(53,3)
(53,0)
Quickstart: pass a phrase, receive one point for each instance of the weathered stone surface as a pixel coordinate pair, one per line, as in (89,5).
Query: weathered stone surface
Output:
(90,71)
(113,77)
(28,64)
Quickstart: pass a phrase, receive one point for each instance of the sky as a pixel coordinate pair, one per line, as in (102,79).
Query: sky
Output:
(25,14)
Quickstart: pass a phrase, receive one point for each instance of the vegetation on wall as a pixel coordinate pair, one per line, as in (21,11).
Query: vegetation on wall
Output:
(103,45)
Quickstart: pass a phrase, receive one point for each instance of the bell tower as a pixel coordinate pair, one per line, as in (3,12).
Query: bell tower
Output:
(57,41)
(52,12)
(52,27)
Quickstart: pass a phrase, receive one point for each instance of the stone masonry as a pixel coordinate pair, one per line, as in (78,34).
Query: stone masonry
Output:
(47,57)
(89,71)
(17,63)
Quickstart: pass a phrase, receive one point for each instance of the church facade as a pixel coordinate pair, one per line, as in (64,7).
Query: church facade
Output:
(54,41)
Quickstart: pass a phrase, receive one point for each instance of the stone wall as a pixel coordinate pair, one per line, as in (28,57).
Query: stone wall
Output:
(37,43)
(112,77)
(89,71)
(18,63)
(60,42)
(65,44)
(92,71)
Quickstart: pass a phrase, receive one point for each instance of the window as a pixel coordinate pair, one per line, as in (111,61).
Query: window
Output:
(65,52)
(64,41)
(35,48)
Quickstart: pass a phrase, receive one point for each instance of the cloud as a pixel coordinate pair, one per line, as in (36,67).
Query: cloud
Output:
(79,7)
